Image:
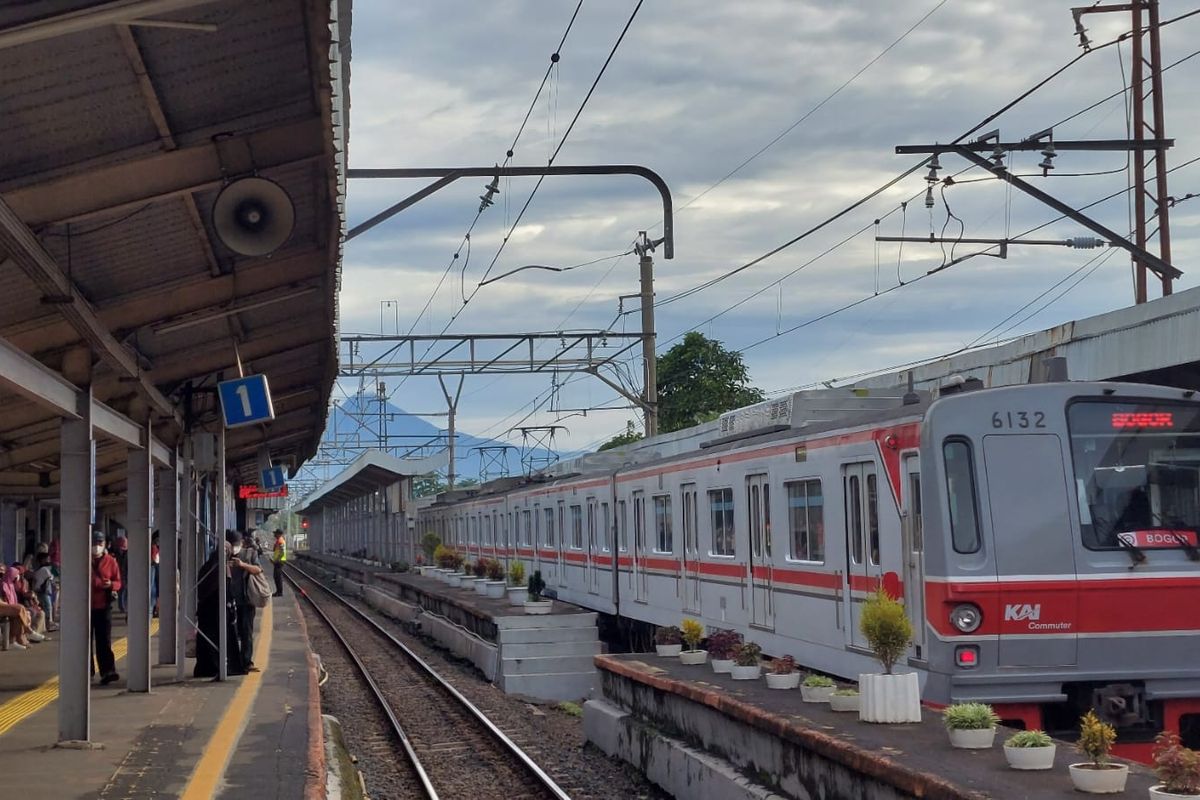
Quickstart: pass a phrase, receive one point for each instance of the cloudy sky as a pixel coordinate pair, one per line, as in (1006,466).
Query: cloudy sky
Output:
(695,90)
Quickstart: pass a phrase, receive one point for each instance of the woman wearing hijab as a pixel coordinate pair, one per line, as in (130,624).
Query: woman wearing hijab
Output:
(209,616)
(20,629)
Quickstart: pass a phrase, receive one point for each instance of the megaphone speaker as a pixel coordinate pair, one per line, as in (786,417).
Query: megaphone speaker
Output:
(253,216)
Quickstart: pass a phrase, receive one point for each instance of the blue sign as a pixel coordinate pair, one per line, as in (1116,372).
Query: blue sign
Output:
(246,401)
(272,478)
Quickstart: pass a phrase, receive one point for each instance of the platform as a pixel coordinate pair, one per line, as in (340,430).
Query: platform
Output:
(254,735)
(686,725)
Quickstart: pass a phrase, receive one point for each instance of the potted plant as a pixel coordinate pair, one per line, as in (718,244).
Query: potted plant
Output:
(972,726)
(692,632)
(1097,775)
(1030,750)
(535,604)
(746,666)
(668,641)
(783,674)
(816,688)
(517,593)
(844,700)
(496,583)
(720,649)
(1177,767)
(444,558)
(887,697)
(430,542)
(479,570)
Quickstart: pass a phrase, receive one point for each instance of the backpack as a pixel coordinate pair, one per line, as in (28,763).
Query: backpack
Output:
(258,591)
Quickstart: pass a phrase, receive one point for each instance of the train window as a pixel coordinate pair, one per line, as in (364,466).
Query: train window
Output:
(591,525)
(604,529)
(527,532)
(487,529)
(577,527)
(689,518)
(854,498)
(720,507)
(622,530)
(755,521)
(873,518)
(766,515)
(549,512)
(537,527)
(639,523)
(806,516)
(914,488)
(664,537)
(960,492)
(562,521)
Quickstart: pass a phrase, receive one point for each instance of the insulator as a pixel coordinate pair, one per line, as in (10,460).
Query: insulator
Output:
(929,201)
(998,156)
(932,177)
(1085,242)
(934,164)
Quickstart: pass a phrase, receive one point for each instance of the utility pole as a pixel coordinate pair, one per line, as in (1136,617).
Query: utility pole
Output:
(644,248)
(452,406)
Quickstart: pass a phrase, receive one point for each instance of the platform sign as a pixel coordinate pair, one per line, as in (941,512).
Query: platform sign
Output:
(272,478)
(246,401)
(255,493)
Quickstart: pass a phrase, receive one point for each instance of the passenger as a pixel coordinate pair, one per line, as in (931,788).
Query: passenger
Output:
(210,616)
(244,564)
(154,557)
(121,554)
(106,583)
(20,629)
(43,584)
(279,558)
(27,598)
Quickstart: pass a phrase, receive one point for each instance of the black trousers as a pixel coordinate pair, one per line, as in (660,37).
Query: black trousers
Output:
(102,637)
(245,623)
(278,578)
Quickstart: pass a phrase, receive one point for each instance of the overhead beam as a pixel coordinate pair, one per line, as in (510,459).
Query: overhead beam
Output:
(87,19)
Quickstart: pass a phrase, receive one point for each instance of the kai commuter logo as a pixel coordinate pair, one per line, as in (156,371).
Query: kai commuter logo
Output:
(1022,612)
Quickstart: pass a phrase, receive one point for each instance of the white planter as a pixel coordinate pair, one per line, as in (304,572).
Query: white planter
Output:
(1158,793)
(816,694)
(1110,780)
(722,664)
(517,595)
(495,588)
(974,739)
(789,681)
(668,650)
(740,673)
(538,606)
(889,698)
(1030,757)
(481,586)
(693,657)
(456,579)
(843,702)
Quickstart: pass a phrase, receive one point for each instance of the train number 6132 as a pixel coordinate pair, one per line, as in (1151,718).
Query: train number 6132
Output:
(1018,419)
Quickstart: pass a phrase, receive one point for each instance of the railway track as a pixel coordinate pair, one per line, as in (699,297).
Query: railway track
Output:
(454,750)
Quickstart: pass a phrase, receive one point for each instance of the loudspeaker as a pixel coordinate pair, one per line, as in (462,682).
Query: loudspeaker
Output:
(253,216)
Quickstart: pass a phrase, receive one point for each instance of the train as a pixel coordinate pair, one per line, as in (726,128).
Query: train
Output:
(1042,537)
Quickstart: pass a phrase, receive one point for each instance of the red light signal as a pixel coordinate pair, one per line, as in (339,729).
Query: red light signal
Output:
(304,524)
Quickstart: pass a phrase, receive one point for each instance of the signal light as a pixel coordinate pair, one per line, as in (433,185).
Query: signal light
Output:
(966,656)
(304,524)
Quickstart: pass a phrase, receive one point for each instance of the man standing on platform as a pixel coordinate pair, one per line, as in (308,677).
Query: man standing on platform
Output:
(279,558)
(243,563)
(106,582)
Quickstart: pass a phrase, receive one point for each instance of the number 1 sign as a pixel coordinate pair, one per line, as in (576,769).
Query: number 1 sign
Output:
(246,401)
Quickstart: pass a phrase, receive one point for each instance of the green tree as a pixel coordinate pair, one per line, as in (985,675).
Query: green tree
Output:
(698,379)
(628,437)
(428,485)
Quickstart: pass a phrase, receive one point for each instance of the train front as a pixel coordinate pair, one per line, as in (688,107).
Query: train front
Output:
(1062,569)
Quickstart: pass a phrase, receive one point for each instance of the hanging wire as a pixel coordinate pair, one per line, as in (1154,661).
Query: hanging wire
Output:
(900,249)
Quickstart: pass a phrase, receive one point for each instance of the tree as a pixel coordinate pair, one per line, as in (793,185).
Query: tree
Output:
(698,379)
(628,437)
(428,485)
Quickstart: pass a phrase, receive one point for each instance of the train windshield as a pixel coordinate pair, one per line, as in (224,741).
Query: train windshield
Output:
(1137,473)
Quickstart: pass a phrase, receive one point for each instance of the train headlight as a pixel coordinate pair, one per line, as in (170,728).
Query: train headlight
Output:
(966,617)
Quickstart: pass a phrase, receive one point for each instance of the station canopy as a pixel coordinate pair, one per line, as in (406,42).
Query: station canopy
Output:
(370,472)
(121,123)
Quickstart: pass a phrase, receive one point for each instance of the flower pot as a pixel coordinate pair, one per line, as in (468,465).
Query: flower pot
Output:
(693,656)
(740,673)
(972,739)
(722,664)
(456,579)
(481,586)
(816,694)
(517,595)
(788,681)
(889,698)
(1159,793)
(843,702)
(1030,757)
(1109,779)
(495,588)
(668,650)
(538,606)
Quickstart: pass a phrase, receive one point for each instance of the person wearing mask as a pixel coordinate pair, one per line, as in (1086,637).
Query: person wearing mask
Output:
(42,583)
(20,629)
(243,563)
(279,558)
(121,554)
(106,583)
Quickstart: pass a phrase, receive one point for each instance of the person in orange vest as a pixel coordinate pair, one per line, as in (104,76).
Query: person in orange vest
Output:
(106,582)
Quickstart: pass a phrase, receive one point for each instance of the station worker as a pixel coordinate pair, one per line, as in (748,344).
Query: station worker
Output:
(106,583)
(279,558)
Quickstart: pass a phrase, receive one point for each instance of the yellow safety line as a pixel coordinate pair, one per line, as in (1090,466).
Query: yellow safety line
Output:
(13,712)
(210,769)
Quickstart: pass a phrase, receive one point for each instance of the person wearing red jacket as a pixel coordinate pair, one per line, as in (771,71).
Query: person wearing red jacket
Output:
(106,582)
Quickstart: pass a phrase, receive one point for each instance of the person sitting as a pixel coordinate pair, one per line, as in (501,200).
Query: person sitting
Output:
(29,599)
(20,631)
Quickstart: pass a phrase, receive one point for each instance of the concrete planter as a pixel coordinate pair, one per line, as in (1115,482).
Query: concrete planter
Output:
(517,595)
(816,694)
(789,681)
(1159,793)
(481,586)
(889,698)
(1030,757)
(456,579)
(538,606)
(1108,780)
(495,588)
(740,673)
(668,650)
(843,702)
(693,657)
(722,665)
(972,739)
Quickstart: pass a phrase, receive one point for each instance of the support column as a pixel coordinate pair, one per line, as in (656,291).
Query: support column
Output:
(168,561)
(222,584)
(77,477)
(186,611)
(139,499)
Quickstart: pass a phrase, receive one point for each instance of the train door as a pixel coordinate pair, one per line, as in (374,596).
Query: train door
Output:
(691,551)
(860,485)
(590,549)
(639,546)
(559,552)
(547,558)
(761,579)
(914,552)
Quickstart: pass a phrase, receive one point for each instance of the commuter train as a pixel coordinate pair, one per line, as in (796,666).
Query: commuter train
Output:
(1043,538)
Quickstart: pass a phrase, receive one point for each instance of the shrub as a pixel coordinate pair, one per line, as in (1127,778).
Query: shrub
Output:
(457,560)
(516,574)
(969,717)
(399,566)
(1033,738)
(1177,767)
(494,569)
(430,542)
(845,692)
(668,634)
(692,633)
(818,682)
(1095,738)
(885,625)
(747,654)
(783,666)
(444,556)
(536,585)
(722,643)
(479,568)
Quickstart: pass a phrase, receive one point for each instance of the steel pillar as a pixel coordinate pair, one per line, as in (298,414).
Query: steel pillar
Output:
(222,586)
(189,511)
(139,500)
(167,525)
(77,494)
